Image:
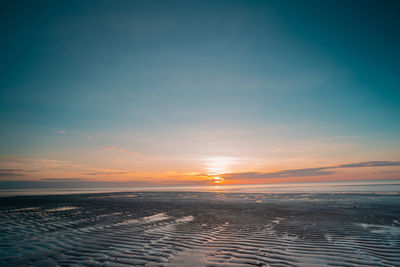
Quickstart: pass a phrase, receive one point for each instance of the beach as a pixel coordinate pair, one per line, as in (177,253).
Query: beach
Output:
(201,229)
(200,133)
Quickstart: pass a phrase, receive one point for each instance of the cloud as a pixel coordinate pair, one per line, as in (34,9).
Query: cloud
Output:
(10,174)
(108,173)
(62,179)
(90,136)
(38,166)
(278,174)
(370,164)
(68,183)
(13,172)
(327,170)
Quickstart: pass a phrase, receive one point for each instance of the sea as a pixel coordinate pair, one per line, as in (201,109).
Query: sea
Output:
(381,186)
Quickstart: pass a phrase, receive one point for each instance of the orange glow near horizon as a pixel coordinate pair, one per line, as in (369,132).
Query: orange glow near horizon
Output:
(219,170)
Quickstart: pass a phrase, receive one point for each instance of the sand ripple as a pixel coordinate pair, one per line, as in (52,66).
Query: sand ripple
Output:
(166,229)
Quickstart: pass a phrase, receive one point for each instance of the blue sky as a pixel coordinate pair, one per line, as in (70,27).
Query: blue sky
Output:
(171,81)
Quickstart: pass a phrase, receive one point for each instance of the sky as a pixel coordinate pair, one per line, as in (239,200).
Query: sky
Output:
(154,93)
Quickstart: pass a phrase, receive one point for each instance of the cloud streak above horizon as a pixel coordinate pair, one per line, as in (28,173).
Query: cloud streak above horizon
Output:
(319,171)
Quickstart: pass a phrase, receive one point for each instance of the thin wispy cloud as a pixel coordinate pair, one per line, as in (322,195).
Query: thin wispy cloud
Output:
(308,172)
(14,172)
(109,173)
(11,170)
(39,167)
(10,174)
(62,179)
(62,132)
(369,164)
(89,136)
(68,182)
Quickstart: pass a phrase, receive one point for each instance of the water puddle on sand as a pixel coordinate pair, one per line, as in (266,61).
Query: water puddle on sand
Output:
(62,209)
(185,219)
(380,229)
(147,219)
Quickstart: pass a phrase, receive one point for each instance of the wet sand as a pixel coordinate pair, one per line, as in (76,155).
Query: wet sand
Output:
(200,229)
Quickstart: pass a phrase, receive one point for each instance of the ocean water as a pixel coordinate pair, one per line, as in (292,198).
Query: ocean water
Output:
(386,187)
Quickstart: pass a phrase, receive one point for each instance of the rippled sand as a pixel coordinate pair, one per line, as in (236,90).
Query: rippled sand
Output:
(200,229)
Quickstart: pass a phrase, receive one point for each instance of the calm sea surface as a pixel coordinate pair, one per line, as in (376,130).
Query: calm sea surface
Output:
(386,187)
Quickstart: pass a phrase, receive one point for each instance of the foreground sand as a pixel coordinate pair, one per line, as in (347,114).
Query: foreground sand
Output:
(201,229)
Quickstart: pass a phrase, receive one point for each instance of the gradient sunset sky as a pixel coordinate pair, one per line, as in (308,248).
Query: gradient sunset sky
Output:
(146,93)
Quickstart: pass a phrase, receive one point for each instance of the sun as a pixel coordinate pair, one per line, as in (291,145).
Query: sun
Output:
(216,167)
(217,180)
